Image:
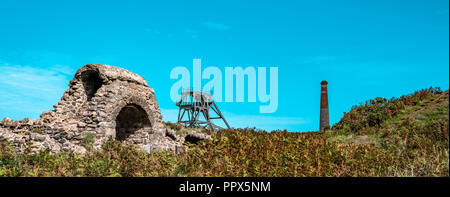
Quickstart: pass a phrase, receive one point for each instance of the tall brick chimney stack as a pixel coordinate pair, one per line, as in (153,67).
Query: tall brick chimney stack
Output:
(324,118)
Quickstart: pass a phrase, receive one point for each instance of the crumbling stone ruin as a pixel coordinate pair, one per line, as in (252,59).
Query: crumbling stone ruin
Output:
(102,102)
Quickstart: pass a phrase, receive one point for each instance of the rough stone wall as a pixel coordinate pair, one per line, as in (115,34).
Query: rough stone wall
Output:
(102,102)
(34,135)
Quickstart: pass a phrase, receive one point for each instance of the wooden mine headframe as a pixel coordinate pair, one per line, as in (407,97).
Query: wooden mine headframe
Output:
(193,104)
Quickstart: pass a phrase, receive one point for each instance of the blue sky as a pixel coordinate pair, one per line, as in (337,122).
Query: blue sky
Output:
(364,49)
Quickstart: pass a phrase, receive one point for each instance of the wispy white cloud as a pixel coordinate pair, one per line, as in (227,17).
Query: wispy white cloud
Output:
(30,79)
(26,91)
(192,33)
(33,81)
(152,31)
(216,26)
(268,123)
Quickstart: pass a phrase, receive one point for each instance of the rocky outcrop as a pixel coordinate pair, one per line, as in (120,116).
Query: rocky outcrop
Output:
(102,102)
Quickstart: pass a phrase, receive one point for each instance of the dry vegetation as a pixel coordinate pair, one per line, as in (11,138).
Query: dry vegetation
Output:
(407,136)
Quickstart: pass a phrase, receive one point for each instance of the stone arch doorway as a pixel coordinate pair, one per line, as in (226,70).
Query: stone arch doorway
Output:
(130,119)
(91,83)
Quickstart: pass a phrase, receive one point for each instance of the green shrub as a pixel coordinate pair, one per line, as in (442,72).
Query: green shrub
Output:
(404,147)
(376,111)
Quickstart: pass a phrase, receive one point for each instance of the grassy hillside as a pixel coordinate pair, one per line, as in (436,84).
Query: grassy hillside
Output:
(407,136)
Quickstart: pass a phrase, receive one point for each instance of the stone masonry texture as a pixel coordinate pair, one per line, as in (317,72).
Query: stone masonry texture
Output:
(102,102)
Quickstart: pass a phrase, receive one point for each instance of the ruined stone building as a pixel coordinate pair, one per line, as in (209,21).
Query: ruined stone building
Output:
(102,102)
